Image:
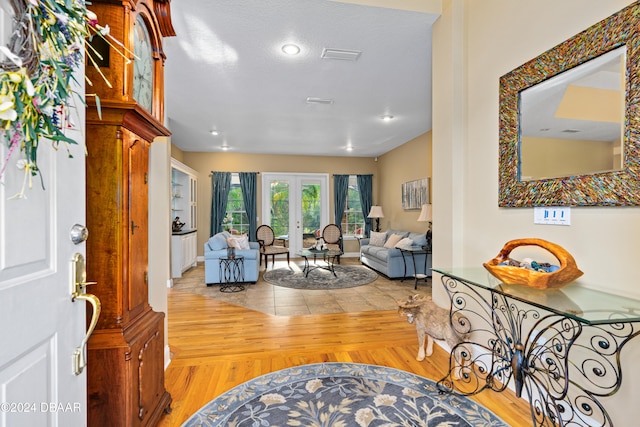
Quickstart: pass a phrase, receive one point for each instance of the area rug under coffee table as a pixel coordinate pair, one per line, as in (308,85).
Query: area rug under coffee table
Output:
(341,394)
(347,276)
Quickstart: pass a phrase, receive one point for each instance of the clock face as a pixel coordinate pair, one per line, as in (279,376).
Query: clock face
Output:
(142,65)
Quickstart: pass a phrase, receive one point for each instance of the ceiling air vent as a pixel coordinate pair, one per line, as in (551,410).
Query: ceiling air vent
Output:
(343,54)
(312,100)
(571,131)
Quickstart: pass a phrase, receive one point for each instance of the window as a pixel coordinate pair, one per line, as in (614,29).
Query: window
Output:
(235,220)
(353,219)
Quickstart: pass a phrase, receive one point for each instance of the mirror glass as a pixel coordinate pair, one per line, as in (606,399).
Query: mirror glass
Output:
(572,123)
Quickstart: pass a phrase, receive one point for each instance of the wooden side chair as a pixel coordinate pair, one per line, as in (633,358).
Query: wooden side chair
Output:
(332,236)
(266,239)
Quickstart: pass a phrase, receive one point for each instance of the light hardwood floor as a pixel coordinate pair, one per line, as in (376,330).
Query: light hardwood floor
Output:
(217,345)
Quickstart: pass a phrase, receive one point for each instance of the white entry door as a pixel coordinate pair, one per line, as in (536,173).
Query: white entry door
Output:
(41,327)
(295,206)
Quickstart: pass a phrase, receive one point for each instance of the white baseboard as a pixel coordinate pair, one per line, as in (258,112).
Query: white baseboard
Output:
(167,356)
(170,283)
(351,255)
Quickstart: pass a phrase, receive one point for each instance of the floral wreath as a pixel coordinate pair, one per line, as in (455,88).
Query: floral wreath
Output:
(46,46)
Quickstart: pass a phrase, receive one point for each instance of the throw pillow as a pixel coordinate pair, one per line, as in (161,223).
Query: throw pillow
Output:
(238,242)
(392,240)
(405,243)
(217,242)
(377,239)
(419,239)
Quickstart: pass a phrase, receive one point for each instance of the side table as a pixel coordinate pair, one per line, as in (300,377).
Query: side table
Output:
(232,272)
(415,250)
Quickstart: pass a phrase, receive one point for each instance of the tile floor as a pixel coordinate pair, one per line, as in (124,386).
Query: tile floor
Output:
(382,294)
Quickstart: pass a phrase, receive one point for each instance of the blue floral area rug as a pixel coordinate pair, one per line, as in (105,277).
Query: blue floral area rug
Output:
(341,395)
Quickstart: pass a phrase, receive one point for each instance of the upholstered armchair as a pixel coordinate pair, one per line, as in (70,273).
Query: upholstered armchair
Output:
(332,236)
(266,238)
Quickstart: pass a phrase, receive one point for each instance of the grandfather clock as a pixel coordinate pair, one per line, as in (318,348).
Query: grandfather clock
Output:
(126,351)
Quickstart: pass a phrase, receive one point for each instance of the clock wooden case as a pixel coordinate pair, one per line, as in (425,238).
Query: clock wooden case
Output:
(126,351)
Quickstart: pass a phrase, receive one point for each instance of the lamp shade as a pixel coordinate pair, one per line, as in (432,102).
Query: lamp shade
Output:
(376,212)
(425,213)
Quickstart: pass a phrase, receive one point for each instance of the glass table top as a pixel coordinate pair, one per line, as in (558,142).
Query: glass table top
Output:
(582,304)
(318,252)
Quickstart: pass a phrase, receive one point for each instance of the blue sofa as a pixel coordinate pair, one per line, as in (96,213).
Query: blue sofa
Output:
(216,247)
(389,262)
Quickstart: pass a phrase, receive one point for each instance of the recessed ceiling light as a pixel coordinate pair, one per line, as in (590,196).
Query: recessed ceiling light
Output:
(213,132)
(290,49)
(387,117)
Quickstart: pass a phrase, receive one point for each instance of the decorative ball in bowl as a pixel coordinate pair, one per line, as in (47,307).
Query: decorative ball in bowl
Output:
(502,267)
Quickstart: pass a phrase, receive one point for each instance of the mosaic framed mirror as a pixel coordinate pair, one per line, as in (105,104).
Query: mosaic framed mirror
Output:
(570,121)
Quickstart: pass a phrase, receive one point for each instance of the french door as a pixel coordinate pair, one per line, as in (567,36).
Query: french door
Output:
(296,206)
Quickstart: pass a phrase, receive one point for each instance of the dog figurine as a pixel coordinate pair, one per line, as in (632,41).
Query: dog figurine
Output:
(432,322)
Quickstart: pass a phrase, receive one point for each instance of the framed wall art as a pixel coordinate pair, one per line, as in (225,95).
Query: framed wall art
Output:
(415,193)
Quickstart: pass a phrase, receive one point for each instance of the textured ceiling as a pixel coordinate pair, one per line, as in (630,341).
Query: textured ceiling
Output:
(225,70)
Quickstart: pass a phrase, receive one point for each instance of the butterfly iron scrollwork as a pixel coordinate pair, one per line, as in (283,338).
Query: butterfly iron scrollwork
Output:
(563,366)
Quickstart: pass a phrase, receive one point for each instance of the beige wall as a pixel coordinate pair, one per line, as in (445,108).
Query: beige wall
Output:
(177,153)
(204,163)
(465,140)
(408,162)
(474,44)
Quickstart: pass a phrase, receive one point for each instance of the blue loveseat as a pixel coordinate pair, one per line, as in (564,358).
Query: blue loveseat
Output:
(389,262)
(216,247)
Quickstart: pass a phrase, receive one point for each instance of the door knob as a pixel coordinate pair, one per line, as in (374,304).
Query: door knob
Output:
(79,292)
(78,233)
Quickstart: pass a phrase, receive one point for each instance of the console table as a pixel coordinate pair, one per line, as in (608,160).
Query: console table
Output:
(560,347)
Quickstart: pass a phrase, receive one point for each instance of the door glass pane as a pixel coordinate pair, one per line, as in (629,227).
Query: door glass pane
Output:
(310,213)
(279,193)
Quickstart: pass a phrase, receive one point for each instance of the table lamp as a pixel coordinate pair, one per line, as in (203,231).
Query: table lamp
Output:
(425,216)
(376,212)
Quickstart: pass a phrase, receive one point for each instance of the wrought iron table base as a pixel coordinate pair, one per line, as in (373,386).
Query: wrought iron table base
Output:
(328,257)
(232,272)
(417,276)
(563,365)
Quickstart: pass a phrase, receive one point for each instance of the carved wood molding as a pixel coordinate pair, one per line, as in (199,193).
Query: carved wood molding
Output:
(141,377)
(162,9)
(129,115)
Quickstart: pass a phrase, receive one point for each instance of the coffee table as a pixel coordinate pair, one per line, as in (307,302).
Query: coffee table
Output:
(328,258)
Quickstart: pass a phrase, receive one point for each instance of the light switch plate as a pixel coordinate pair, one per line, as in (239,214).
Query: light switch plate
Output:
(552,215)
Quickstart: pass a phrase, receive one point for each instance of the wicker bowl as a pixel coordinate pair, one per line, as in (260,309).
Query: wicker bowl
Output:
(512,275)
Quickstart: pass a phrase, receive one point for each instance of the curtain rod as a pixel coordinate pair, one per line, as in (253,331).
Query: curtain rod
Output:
(356,174)
(212,172)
